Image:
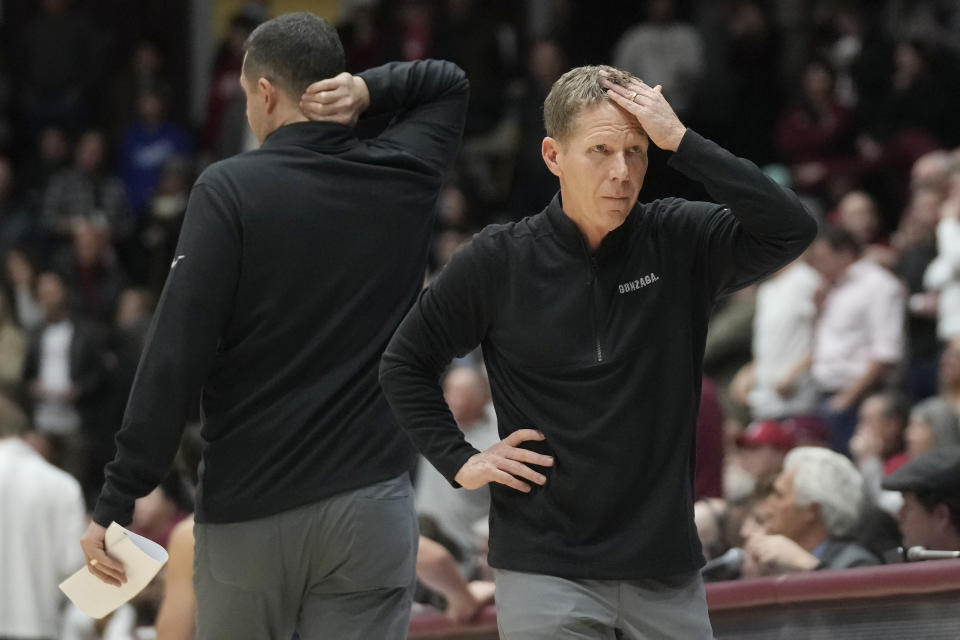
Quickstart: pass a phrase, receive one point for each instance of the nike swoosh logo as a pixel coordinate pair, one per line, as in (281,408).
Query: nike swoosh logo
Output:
(176,260)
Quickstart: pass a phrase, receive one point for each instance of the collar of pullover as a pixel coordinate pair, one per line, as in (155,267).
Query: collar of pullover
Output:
(570,236)
(328,136)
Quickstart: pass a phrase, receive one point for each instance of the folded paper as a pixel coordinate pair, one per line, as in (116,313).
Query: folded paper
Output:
(142,559)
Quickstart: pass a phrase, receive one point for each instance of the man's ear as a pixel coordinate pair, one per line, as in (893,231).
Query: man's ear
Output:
(811,513)
(268,93)
(550,149)
(941,514)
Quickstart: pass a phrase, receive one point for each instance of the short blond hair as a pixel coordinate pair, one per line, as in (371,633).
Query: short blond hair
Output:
(574,91)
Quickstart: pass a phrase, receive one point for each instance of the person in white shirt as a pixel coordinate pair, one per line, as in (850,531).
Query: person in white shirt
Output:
(41,517)
(664,51)
(454,511)
(783,343)
(119,625)
(943,274)
(860,334)
(63,375)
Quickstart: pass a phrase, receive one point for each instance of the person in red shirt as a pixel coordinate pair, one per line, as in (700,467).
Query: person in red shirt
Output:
(879,433)
(708,475)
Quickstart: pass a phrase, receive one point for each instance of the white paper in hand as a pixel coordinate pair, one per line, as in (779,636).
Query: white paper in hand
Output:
(141,558)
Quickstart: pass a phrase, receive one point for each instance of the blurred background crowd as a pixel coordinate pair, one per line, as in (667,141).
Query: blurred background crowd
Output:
(851,355)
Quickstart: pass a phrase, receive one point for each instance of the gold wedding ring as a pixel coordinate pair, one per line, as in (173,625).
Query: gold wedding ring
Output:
(633,94)
(93,562)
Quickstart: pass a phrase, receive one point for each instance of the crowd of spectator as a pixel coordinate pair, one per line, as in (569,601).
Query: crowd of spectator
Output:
(822,382)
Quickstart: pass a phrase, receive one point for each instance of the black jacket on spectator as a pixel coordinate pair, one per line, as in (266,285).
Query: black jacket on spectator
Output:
(96,288)
(86,367)
(603,354)
(295,264)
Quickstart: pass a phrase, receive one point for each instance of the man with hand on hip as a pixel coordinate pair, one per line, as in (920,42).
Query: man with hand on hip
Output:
(295,264)
(592,316)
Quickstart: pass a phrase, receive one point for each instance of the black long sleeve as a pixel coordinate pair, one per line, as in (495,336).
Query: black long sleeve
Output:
(180,347)
(603,354)
(295,264)
(428,100)
(766,222)
(448,320)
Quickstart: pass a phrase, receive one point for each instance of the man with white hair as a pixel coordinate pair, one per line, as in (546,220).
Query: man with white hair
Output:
(816,505)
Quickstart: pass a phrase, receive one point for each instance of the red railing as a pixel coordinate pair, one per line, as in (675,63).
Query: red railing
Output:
(827,604)
(867,582)
(434,624)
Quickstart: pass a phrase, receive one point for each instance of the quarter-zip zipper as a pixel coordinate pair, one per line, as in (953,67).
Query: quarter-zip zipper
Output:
(595,304)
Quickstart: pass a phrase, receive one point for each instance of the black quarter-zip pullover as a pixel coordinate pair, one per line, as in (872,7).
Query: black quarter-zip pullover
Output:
(603,354)
(295,264)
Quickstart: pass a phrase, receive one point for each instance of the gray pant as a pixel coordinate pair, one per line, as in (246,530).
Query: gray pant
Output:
(539,607)
(340,568)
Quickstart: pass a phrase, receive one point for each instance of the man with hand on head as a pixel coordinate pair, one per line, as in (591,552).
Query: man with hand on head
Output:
(295,264)
(592,316)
